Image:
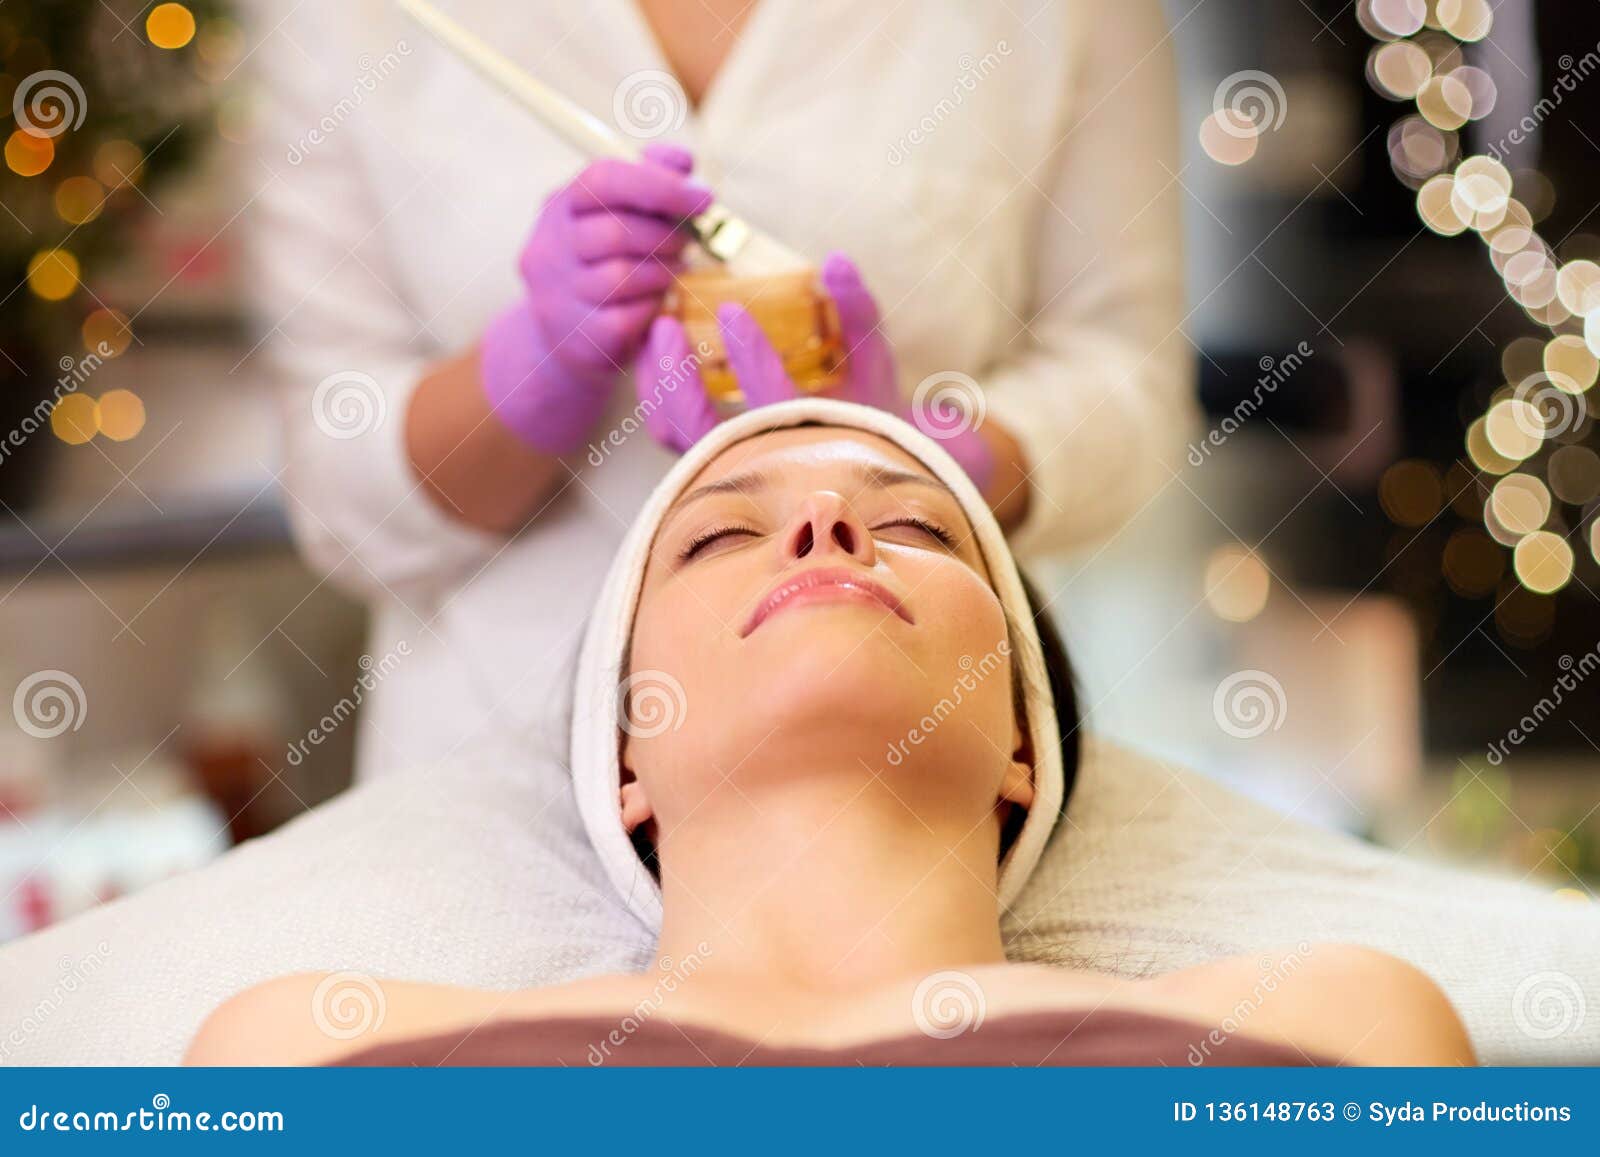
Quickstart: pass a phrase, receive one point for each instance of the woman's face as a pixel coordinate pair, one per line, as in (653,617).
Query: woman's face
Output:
(815,603)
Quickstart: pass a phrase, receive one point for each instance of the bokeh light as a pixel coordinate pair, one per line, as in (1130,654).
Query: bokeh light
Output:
(28,155)
(118,163)
(1393,18)
(1445,102)
(1481,91)
(1513,233)
(75,419)
(1570,363)
(221,42)
(169,26)
(121,415)
(53,274)
(1399,69)
(1578,283)
(1411,492)
(1418,151)
(1520,503)
(1237,583)
(1481,190)
(1436,206)
(107,332)
(1574,474)
(1543,562)
(1514,428)
(1466,20)
(1483,454)
(79,199)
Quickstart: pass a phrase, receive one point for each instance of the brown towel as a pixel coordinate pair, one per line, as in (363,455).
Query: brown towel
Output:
(1093,1037)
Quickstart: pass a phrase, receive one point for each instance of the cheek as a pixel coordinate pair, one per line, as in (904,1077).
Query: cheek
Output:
(963,612)
(968,656)
(678,667)
(682,619)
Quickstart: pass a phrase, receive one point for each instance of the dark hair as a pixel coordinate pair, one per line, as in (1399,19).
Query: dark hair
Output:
(1058,673)
(1064,692)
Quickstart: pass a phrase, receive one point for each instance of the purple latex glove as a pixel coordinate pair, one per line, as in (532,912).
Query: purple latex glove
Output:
(596,266)
(678,412)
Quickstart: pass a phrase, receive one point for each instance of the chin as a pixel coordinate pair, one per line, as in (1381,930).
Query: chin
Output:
(835,689)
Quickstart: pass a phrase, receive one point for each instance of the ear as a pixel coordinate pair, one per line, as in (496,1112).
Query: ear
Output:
(1017,786)
(636,809)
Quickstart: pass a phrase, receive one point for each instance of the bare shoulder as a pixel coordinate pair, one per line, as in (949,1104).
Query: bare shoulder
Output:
(312,1018)
(1345,1001)
(262,1025)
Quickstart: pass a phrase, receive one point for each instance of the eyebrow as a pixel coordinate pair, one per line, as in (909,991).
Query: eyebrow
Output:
(754,481)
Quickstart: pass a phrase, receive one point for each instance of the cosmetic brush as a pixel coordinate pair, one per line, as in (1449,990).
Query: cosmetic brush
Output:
(721,233)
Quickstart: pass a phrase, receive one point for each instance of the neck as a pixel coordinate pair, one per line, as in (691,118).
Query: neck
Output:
(820,883)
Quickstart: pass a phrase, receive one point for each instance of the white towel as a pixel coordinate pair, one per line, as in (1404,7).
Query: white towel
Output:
(477,872)
(596,756)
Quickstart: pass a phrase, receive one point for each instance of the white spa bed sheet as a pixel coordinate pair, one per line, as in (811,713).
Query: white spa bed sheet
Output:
(476,873)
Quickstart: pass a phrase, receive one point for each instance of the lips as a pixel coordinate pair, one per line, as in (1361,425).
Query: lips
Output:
(824,583)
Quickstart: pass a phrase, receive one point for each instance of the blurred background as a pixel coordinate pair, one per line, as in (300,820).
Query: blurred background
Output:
(1366,594)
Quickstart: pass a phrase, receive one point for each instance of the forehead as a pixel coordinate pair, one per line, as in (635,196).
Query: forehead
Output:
(808,452)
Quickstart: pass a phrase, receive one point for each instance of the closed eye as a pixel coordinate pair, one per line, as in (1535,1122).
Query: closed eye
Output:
(931,529)
(706,538)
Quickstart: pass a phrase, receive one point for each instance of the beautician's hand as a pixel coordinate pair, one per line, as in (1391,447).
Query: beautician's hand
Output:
(679,413)
(596,266)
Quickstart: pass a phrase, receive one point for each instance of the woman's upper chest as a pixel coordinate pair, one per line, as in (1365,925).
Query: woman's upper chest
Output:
(916,138)
(695,38)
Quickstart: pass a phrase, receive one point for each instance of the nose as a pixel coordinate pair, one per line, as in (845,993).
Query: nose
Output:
(825,525)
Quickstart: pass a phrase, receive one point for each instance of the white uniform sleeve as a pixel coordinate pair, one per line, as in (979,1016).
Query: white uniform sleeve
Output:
(1104,396)
(331,307)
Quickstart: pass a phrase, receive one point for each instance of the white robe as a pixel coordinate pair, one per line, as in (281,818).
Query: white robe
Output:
(1004,174)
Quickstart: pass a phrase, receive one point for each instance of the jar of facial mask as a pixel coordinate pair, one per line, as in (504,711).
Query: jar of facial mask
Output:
(798,318)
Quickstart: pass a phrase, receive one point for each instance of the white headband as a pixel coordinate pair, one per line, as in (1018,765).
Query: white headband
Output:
(598,696)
